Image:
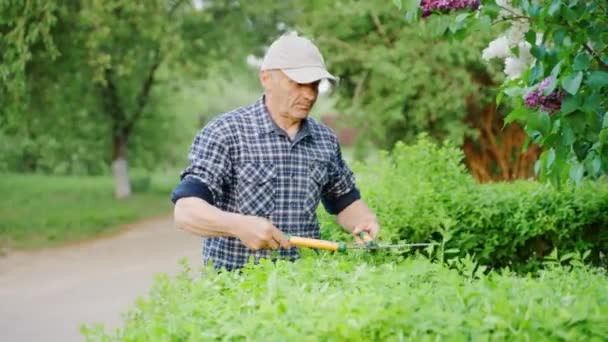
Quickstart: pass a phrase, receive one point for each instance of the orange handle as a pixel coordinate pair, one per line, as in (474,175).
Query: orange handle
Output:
(368,240)
(366,237)
(314,243)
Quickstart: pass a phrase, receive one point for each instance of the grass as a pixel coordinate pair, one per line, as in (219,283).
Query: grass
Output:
(41,211)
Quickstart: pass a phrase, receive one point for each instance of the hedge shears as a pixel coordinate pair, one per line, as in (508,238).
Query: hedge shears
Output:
(368,244)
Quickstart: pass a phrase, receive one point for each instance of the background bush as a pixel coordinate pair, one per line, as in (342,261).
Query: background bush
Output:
(422,192)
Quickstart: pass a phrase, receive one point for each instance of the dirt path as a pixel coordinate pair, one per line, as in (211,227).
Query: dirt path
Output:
(46,295)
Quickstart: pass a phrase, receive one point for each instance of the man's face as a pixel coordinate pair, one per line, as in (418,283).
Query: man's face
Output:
(291,99)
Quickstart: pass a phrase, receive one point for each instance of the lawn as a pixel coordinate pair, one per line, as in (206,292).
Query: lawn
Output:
(40,211)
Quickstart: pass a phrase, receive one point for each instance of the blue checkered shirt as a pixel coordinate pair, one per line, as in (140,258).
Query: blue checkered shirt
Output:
(252,167)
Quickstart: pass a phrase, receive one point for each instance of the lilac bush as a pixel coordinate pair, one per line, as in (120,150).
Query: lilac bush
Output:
(562,39)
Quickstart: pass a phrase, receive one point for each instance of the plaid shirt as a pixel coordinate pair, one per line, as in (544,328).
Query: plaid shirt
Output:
(252,167)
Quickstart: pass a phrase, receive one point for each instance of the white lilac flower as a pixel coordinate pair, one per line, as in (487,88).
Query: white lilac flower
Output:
(517,32)
(516,65)
(498,48)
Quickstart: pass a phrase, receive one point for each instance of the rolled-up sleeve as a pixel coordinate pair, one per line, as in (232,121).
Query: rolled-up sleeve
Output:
(341,190)
(209,165)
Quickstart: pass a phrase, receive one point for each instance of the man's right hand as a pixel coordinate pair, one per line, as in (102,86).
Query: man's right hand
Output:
(259,233)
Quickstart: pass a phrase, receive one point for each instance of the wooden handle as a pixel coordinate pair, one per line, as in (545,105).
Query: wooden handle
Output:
(314,243)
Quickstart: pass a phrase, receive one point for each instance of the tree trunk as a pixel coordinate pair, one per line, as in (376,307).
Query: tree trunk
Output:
(497,154)
(122,185)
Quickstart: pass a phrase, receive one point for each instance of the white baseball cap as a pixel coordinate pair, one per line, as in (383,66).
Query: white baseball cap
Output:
(298,58)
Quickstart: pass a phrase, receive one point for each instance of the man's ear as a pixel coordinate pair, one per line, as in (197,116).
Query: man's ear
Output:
(265,79)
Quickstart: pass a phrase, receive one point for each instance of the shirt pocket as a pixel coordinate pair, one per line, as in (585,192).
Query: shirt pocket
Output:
(256,189)
(318,178)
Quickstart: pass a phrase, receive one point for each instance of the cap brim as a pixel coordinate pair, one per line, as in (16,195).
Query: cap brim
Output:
(309,74)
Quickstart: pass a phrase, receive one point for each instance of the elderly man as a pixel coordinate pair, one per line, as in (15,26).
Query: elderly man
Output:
(260,171)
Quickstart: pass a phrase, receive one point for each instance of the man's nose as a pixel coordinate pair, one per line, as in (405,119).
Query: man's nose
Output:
(309,91)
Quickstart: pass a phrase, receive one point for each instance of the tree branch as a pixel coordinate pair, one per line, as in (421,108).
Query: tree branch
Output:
(517,17)
(144,93)
(111,102)
(359,88)
(596,56)
(380,28)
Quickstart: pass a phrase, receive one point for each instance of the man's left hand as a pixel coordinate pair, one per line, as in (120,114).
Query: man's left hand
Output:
(371,227)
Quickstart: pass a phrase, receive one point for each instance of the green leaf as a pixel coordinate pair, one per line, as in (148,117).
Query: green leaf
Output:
(518,114)
(534,10)
(398,3)
(540,121)
(537,166)
(577,172)
(515,91)
(531,37)
(570,104)
(569,15)
(554,8)
(439,25)
(597,79)
(592,102)
(459,22)
(604,136)
(567,136)
(411,16)
(550,157)
(538,51)
(483,23)
(410,5)
(499,98)
(556,70)
(581,61)
(536,73)
(581,149)
(559,36)
(596,164)
(572,82)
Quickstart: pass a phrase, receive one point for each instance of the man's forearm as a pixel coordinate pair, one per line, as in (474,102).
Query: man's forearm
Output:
(201,218)
(356,213)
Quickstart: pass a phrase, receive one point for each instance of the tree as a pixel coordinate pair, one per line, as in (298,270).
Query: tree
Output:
(93,95)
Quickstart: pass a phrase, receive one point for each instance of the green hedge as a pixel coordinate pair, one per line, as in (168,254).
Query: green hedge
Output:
(349,298)
(423,192)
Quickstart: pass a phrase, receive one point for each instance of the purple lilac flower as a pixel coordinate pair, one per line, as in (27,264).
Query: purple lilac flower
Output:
(550,103)
(553,102)
(533,99)
(544,84)
(429,6)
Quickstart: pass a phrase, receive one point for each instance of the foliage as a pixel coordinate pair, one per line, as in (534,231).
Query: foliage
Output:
(395,80)
(114,71)
(40,210)
(365,298)
(24,31)
(554,49)
(423,193)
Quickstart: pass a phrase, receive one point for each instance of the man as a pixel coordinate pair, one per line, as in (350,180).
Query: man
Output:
(259,172)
